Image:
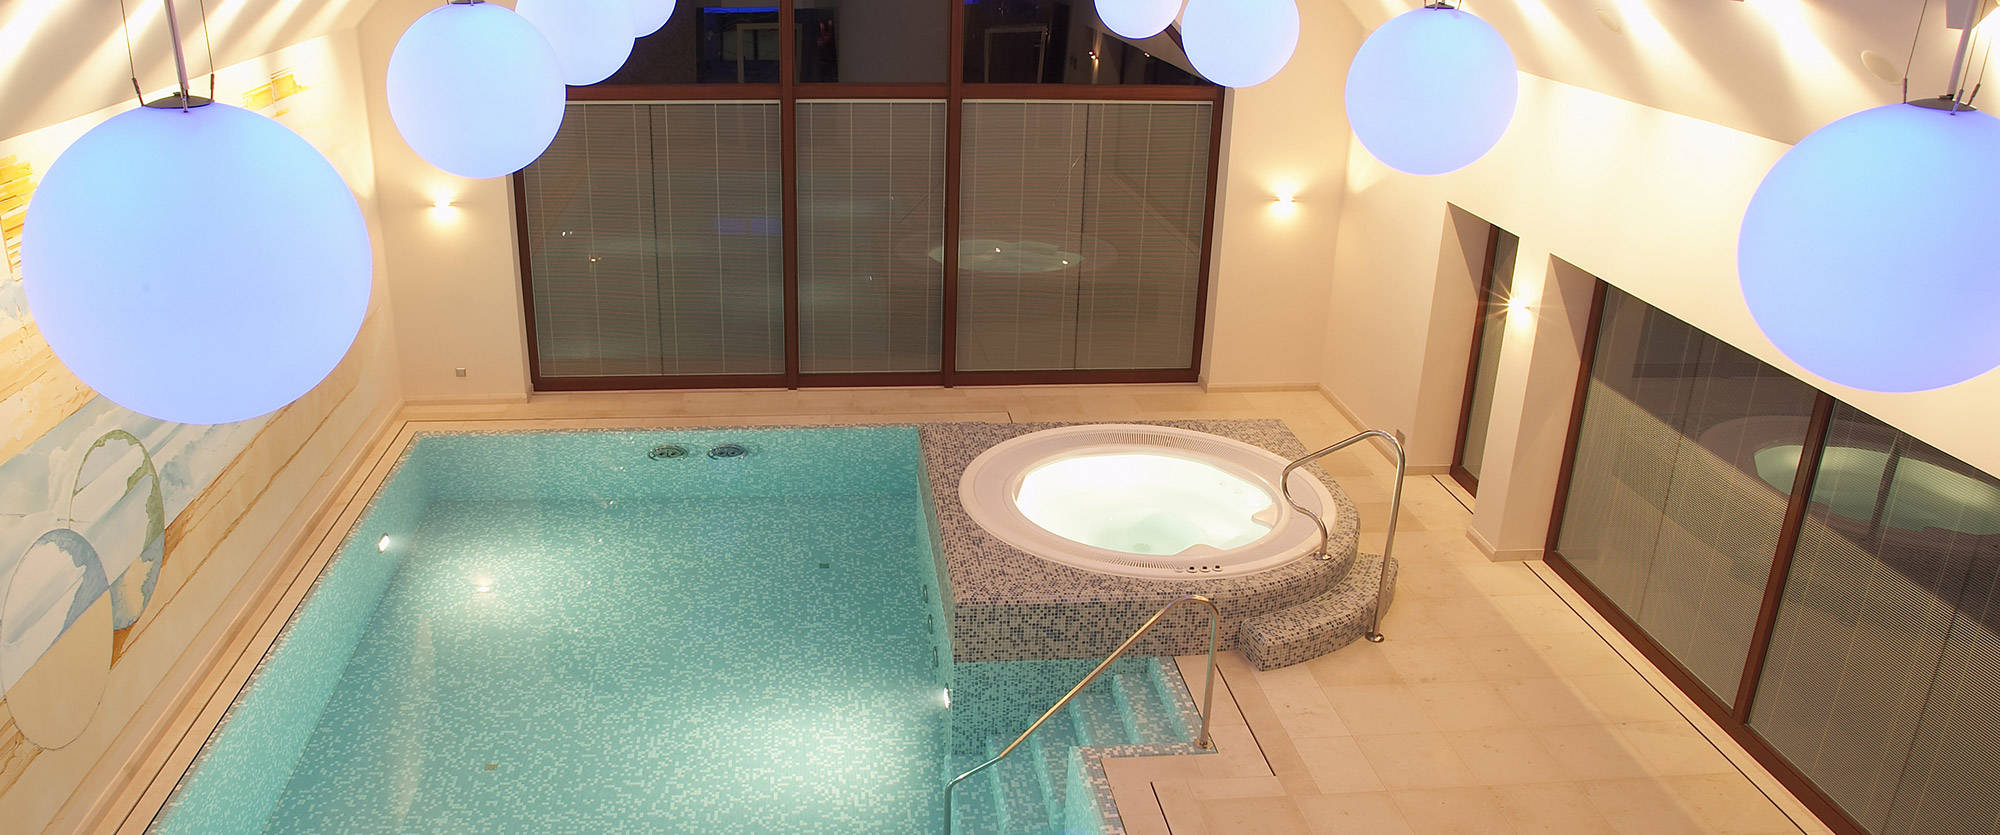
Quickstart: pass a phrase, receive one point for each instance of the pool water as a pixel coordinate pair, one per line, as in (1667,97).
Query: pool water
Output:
(1145,503)
(567,635)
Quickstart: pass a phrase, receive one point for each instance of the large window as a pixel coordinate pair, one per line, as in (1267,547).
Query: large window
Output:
(815,193)
(1823,585)
(1489,332)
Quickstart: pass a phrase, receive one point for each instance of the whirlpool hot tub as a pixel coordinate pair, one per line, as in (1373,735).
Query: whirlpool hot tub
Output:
(1143,501)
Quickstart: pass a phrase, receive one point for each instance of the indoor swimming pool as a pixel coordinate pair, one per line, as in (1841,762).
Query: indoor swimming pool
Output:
(673,631)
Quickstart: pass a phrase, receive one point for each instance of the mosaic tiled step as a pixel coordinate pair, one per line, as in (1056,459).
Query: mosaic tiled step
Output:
(1043,788)
(1322,624)
(1141,702)
(1020,790)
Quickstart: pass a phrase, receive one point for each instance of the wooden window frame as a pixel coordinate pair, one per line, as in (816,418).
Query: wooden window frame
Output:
(1732,716)
(954,92)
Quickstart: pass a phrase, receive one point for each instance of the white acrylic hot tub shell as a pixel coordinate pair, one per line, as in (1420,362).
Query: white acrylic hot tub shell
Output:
(993,480)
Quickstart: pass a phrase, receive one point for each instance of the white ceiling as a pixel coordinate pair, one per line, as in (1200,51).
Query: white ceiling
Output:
(1776,68)
(60,59)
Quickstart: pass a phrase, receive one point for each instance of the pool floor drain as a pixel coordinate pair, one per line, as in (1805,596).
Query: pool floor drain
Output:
(665,451)
(728,451)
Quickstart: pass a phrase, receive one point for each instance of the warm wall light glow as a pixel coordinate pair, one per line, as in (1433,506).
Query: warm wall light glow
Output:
(1520,311)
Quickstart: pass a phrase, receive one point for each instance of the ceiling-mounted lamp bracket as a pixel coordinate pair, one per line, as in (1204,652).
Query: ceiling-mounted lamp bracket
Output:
(184,100)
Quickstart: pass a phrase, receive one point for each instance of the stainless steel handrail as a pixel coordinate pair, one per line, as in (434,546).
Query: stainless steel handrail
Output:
(1395,510)
(1207,692)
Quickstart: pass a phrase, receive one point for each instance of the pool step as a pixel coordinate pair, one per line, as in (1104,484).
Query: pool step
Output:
(1019,790)
(1145,715)
(974,801)
(1320,625)
(1097,718)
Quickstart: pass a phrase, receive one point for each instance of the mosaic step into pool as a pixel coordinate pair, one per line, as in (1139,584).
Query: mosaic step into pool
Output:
(615,631)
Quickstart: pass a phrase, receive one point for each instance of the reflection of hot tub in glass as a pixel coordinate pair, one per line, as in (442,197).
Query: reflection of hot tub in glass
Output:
(1922,494)
(1143,501)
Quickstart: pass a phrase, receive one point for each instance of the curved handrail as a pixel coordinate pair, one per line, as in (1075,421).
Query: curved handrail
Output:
(1395,510)
(1207,692)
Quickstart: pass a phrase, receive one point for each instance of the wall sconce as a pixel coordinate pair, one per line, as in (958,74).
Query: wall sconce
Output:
(444,208)
(1520,311)
(1285,204)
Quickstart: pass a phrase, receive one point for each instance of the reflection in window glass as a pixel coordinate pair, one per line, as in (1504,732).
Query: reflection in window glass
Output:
(871,213)
(1880,679)
(709,42)
(655,240)
(1063,42)
(873,41)
(1670,511)
(1080,234)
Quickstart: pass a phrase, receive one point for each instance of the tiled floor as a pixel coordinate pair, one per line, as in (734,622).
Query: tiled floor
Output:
(1499,703)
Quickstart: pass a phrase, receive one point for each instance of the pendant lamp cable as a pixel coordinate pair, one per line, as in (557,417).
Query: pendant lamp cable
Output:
(209,46)
(1914,38)
(125,25)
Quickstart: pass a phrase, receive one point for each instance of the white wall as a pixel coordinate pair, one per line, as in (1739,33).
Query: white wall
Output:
(1647,200)
(453,272)
(1271,268)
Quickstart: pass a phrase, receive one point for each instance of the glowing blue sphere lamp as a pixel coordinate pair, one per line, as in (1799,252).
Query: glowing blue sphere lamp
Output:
(1240,43)
(475,89)
(1137,19)
(1432,90)
(592,38)
(198,265)
(649,15)
(1868,254)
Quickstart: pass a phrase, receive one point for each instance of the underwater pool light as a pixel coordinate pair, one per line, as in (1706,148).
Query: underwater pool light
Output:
(1432,90)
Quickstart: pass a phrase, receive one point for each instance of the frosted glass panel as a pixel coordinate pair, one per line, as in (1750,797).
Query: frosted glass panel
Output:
(654,235)
(1080,234)
(871,233)
(1668,513)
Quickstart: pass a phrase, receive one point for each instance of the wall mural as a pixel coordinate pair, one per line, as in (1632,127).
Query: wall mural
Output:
(85,506)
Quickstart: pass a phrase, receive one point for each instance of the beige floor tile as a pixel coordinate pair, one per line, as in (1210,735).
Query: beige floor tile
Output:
(1506,757)
(1458,811)
(1641,806)
(1506,656)
(1183,811)
(1421,662)
(1253,816)
(1505,579)
(1236,787)
(1337,765)
(1727,803)
(1539,612)
(1590,752)
(1552,809)
(1379,708)
(1467,706)
(1237,754)
(1372,813)
(1415,761)
(1673,748)
(1550,701)
(1361,662)
(1625,697)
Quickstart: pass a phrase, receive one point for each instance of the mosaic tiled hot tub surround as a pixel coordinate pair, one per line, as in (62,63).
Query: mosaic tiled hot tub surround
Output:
(1007,604)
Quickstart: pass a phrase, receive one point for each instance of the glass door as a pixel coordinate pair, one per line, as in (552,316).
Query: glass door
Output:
(1489,329)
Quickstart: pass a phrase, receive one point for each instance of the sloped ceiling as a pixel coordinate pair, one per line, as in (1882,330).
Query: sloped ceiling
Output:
(1774,68)
(60,59)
